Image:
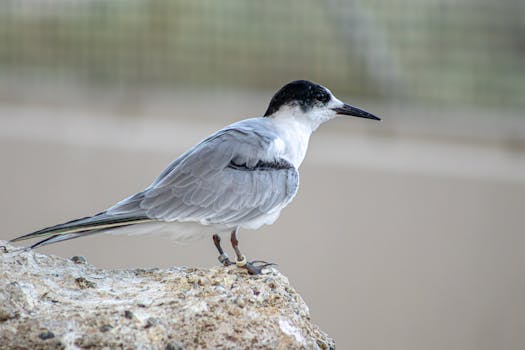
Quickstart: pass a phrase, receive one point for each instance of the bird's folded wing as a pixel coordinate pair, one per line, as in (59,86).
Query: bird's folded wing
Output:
(228,178)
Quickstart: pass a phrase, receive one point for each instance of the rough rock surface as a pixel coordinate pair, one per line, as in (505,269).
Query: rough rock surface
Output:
(47,302)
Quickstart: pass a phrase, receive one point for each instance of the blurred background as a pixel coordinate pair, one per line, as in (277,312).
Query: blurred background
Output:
(405,234)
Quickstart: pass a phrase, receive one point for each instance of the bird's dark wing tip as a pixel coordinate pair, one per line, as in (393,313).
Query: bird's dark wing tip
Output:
(21,238)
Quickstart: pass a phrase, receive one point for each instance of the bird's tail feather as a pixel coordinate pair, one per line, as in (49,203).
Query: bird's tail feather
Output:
(62,237)
(81,227)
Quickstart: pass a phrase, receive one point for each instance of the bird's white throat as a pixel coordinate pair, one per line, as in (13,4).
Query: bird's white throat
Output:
(294,130)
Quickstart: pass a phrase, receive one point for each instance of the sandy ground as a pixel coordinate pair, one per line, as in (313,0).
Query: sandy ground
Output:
(394,243)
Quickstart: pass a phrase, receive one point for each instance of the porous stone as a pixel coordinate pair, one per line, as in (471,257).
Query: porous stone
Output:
(47,302)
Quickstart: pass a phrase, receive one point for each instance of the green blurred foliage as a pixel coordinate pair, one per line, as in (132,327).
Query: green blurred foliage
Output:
(433,52)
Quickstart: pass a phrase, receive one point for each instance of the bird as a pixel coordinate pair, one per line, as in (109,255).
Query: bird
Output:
(241,176)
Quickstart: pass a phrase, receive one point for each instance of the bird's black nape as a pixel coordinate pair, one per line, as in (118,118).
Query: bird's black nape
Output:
(303,92)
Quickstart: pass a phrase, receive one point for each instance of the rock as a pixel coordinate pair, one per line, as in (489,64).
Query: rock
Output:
(47,302)
(46,335)
(78,259)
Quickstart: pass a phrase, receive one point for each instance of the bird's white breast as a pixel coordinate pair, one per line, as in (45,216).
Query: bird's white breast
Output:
(293,139)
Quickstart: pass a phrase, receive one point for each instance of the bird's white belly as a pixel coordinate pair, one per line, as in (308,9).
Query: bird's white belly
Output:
(183,232)
(264,219)
(180,232)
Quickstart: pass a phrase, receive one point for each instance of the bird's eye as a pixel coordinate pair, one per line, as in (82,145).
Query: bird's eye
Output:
(323,97)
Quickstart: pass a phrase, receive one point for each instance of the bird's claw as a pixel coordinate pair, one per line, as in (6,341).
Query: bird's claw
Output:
(257,266)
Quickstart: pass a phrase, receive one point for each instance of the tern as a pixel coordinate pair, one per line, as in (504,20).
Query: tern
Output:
(241,176)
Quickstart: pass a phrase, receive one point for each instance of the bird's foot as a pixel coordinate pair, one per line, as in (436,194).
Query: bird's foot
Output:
(254,267)
(224,259)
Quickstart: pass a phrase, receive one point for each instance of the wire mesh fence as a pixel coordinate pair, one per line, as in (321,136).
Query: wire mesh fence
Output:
(469,52)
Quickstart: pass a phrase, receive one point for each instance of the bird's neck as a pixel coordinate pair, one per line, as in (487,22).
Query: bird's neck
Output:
(295,133)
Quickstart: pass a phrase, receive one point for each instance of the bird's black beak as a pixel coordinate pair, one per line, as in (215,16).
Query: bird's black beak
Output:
(355,112)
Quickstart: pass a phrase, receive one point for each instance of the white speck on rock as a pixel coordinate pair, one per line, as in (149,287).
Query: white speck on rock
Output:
(198,307)
(290,330)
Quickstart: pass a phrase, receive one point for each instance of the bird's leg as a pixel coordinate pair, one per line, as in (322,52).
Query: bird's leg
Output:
(241,259)
(223,257)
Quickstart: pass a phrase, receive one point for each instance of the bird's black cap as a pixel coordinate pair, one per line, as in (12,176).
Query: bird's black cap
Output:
(303,92)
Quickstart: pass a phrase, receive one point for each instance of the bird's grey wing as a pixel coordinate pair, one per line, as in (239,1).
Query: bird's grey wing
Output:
(229,178)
